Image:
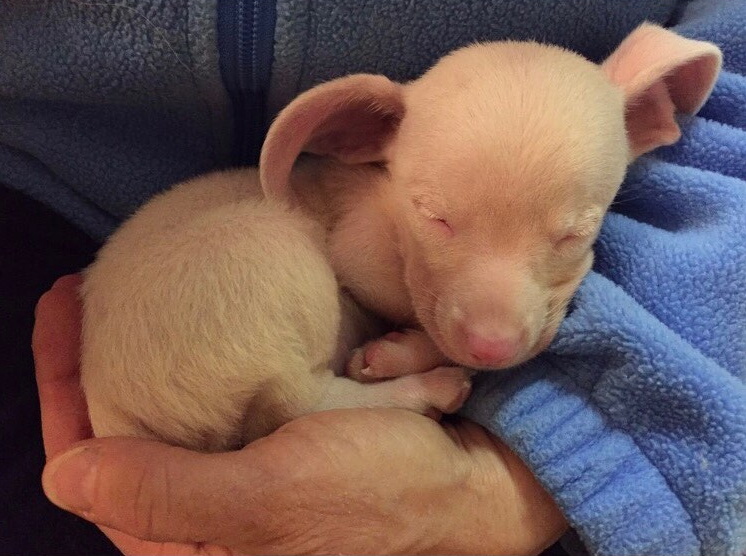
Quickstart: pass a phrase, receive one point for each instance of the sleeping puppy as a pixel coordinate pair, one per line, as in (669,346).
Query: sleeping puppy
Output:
(462,205)
(465,204)
(212,317)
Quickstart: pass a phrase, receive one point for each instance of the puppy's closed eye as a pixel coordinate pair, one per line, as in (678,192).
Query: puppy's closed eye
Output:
(570,240)
(583,228)
(438,221)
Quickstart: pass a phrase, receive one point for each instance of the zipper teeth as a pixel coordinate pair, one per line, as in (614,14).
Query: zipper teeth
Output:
(254,45)
(255,20)
(245,45)
(246,79)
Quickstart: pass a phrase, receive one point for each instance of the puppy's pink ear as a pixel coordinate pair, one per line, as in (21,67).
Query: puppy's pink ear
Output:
(661,73)
(351,119)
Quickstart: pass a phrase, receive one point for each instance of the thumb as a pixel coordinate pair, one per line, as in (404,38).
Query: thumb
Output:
(154,491)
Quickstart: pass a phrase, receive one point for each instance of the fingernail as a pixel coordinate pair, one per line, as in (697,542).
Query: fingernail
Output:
(69,479)
(366,371)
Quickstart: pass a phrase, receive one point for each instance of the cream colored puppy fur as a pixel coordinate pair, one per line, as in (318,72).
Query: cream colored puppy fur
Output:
(463,205)
(212,317)
(472,196)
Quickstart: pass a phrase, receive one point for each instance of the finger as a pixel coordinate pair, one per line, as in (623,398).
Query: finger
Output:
(55,343)
(155,492)
(68,282)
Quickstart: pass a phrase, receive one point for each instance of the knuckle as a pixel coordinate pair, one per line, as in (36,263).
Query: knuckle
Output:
(143,510)
(149,501)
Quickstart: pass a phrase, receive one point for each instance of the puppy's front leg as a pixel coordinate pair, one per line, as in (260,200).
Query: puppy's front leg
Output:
(357,327)
(396,354)
(443,389)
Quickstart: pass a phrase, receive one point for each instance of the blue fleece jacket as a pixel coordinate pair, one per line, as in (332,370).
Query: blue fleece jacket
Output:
(635,419)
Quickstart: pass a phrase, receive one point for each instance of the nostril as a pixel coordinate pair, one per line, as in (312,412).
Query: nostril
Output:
(492,350)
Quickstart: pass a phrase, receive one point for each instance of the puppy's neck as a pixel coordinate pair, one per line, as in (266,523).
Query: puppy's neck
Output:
(327,189)
(352,205)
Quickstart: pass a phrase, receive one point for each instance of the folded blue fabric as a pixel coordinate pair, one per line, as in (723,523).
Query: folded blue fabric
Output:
(635,419)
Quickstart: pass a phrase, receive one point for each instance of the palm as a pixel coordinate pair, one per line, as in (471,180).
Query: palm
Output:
(356,481)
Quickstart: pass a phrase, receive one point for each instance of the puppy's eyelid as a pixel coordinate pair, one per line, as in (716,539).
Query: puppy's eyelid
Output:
(428,213)
(584,226)
(588,221)
(423,207)
(580,232)
(572,238)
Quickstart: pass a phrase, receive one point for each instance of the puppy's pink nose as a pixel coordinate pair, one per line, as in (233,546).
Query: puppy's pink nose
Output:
(491,351)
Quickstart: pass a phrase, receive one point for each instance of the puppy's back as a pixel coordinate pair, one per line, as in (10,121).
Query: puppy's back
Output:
(202,306)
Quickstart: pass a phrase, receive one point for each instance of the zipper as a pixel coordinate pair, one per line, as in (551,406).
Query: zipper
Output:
(246,31)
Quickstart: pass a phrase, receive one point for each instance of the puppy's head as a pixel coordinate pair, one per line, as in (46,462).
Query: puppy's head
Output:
(503,160)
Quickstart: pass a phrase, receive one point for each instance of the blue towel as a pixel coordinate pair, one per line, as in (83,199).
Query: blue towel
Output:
(635,419)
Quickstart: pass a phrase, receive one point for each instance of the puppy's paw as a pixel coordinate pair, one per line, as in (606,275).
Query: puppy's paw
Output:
(356,364)
(395,354)
(444,389)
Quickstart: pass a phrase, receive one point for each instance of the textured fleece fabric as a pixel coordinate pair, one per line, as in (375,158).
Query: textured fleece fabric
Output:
(104,103)
(317,40)
(635,420)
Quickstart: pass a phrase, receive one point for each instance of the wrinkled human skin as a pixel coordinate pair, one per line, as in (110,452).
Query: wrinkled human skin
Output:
(344,481)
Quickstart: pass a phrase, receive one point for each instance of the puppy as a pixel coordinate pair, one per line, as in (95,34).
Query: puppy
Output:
(464,205)
(212,317)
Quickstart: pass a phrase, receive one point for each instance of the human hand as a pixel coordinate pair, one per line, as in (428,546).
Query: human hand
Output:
(349,481)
